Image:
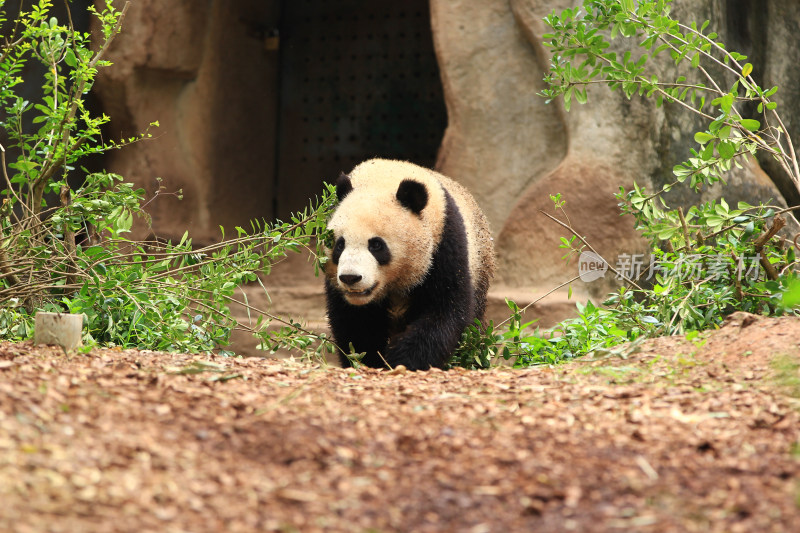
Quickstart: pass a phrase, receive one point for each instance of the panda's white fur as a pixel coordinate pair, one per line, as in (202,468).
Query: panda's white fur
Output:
(374,213)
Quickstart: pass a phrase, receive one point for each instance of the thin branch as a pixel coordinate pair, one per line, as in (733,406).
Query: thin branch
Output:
(69,235)
(684,226)
(778,222)
(589,246)
(792,154)
(540,298)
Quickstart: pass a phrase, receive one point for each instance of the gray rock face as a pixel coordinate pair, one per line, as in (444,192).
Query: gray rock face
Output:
(592,151)
(191,66)
(500,137)
(772,31)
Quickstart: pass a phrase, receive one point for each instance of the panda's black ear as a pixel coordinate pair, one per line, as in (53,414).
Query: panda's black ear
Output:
(343,186)
(412,195)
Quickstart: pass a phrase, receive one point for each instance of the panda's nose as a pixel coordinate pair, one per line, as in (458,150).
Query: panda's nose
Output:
(349,279)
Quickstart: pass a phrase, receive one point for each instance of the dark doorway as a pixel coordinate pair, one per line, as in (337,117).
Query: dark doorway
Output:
(359,79)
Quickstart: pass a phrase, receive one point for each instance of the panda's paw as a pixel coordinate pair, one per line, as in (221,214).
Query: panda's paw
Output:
(409,363)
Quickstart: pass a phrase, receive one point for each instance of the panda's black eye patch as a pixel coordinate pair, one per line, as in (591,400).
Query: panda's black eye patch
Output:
(377,247)
(338,248)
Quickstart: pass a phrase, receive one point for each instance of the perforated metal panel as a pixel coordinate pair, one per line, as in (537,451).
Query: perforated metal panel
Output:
(359,79)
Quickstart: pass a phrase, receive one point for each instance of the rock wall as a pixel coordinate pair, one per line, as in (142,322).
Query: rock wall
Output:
(501,137)
(202,70)
(515,150)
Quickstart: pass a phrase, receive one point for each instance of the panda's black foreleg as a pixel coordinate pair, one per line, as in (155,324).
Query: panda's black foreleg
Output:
(365,327)
(428,341)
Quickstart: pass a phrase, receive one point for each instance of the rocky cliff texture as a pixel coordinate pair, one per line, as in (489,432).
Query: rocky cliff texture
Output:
(514,150)
(204,72)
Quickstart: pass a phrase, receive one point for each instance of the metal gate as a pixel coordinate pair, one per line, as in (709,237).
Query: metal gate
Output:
(359,79)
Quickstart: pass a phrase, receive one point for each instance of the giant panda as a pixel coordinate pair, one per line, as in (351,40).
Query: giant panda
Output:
(409,265)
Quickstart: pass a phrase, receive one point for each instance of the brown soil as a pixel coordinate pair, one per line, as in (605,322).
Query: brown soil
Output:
(671,435)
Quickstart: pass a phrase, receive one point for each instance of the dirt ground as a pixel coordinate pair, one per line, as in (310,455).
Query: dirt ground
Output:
(670,435)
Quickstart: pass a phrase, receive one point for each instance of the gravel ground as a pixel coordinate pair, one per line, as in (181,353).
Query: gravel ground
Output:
(669,435)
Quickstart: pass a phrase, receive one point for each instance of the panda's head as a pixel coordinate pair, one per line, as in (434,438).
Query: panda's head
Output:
(383,240)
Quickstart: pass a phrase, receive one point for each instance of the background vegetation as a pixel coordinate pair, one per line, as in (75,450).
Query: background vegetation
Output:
(64,231)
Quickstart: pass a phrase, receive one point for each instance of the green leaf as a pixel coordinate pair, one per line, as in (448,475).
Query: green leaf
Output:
(706,155)
(93,251)
(69,58)
(667,233)
(702,137)
(750,124)
(747,69)
(726,149)
(568,98)
(726,103)
(791,298)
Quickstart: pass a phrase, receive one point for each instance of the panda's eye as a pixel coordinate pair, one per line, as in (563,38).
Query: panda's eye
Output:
(380,250)
(339,247)
(376,244)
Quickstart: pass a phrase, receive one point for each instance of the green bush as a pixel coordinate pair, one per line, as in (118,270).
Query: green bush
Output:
(708,261)
(66,248)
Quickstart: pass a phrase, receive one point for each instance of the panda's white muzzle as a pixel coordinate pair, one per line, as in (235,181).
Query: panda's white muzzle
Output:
(357,275)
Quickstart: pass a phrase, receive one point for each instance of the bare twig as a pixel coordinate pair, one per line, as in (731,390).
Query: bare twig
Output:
(540,298)
(589,246)
(69,235)
(778,222)
(684,226)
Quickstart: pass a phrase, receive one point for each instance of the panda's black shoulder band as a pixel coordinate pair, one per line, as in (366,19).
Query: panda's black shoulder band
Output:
(343,186)
(412,195)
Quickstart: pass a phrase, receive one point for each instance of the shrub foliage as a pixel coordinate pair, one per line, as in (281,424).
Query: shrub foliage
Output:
(64,231)
(705,262)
